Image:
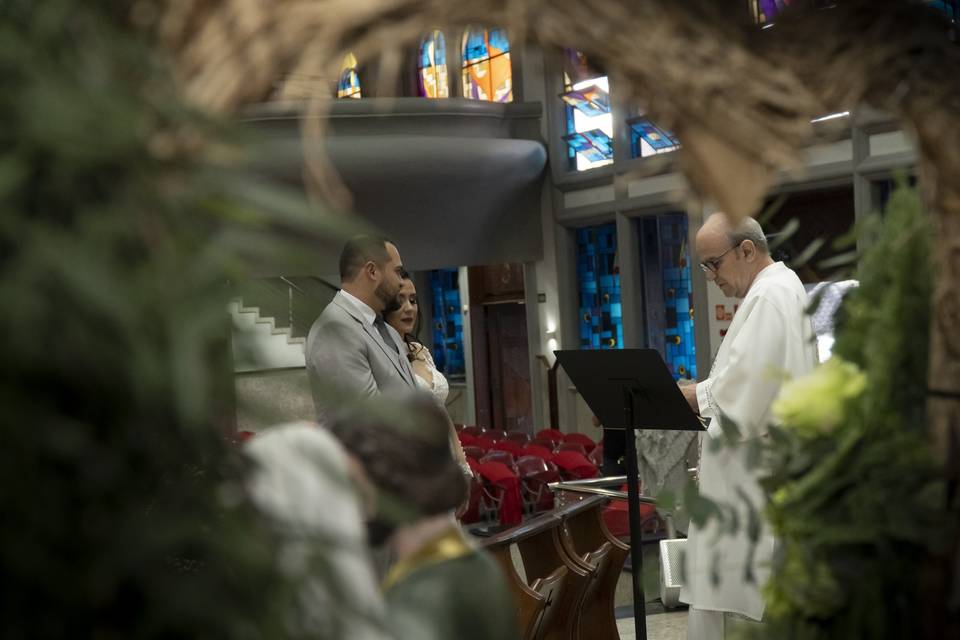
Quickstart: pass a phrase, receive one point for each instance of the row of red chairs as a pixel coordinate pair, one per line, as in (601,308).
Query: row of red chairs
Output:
(481,446)
(504,489)
(550,438)
(508,484)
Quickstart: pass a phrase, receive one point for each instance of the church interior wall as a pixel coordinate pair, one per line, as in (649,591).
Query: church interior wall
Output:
(863,150)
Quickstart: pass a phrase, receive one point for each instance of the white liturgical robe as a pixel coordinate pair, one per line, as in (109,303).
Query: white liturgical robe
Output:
(769,341)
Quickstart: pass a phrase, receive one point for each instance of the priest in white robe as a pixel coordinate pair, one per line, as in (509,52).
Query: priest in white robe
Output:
(769,341)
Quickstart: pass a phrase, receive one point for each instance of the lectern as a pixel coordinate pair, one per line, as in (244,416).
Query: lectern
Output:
(630,389)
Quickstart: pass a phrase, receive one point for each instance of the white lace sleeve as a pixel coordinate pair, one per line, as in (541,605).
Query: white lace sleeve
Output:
(441,388)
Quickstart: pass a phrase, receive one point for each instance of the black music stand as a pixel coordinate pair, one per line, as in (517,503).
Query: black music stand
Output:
(618,385)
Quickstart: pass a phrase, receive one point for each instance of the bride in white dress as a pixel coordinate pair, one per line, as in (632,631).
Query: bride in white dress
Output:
(405,318)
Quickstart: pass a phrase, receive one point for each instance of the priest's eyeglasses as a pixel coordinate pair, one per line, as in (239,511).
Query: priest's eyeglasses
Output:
(713,264)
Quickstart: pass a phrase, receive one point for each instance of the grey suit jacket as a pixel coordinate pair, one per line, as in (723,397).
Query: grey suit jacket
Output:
(346,355)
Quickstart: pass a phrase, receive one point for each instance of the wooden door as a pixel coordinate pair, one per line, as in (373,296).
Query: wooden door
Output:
(509,367)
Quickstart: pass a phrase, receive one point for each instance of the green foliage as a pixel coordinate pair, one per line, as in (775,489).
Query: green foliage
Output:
(855,499)
(123,214)
(885,325)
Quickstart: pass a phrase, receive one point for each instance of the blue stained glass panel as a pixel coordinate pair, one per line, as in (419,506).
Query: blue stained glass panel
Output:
(586,107)
(475,46)
(680,351)
(498,42)
(487,72)
(595,145)
(579,144)
(598,280)
(432,67)
(658,138)
(447,326)
(592,101)
(433,50)
(349,85)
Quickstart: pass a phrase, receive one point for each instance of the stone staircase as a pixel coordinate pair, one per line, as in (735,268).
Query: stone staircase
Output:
(259,344)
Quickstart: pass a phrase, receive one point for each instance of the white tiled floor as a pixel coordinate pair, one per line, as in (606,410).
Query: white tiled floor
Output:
(661,626)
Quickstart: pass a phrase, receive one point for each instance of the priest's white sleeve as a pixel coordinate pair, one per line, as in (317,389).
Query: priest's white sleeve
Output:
(740,392)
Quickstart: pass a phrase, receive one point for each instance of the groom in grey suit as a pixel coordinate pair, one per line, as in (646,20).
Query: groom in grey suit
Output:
(351,351)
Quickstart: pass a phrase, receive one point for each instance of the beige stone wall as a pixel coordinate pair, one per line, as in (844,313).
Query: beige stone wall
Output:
(266,398)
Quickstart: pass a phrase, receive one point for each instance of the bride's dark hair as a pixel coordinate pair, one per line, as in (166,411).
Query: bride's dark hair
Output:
(413,338)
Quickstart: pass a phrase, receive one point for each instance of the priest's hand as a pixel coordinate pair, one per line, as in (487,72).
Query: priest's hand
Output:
(689,391)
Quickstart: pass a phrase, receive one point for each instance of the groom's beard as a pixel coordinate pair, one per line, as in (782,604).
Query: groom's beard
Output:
(390,301)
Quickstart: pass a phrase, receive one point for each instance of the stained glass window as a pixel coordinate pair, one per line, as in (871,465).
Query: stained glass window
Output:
(764,11)
(447,322)
(586,97)
(432,67)
(598,280)
(487,74)
(349,85)
(680,348)
(647,139)
(593,146)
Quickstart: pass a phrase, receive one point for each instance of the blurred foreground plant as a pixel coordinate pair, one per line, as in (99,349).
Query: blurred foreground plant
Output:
(123,214)
(856,499)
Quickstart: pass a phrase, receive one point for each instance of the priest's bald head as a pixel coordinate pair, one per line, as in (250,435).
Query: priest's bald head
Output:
(732,254)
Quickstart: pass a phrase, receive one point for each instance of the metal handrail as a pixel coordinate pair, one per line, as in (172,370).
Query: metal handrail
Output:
(593,482)
(609,493)
(292,285)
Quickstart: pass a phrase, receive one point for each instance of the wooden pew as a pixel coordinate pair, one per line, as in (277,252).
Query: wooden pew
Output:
(538,613)
(542,554)
(549,588)
(587,626)
(532,601)
(572,568)
(586,532)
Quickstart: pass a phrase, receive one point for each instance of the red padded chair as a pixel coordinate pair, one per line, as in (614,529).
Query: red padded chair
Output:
(501,490)
(466,439)
(509,445)
(473,430)
(552,435)
(496,434)
(484,442)
(580,438)
(523,439)
(574,465)
(531,465)
(572,446)
(474,452)
(616,517)
(539,451)
(535,474)
(546,444)
(503,457)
